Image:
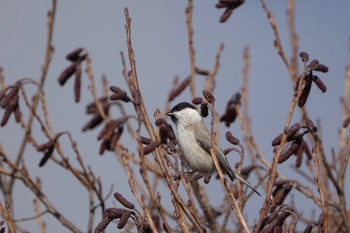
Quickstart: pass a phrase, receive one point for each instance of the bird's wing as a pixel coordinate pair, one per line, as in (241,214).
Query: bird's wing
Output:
(204,140)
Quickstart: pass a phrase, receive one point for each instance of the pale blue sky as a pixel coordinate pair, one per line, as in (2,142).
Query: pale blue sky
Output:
(160,44)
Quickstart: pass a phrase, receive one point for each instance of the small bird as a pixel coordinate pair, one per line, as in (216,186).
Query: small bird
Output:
(195,141)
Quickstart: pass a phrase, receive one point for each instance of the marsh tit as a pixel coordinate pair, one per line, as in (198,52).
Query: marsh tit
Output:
(195,141)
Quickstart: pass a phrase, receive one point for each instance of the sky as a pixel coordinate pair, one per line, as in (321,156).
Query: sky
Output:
(159,39)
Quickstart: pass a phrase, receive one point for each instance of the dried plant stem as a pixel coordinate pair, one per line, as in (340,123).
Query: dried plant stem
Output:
(44,70)
(134,189)
(189,11)
(293,40)
(210,82)
(2,79)
(34,187)
(204,203)
(236,208)
(273,169)
(90,76)
(277,42)
(344,148)
(142,114)
(38,215)
(320,187)
(244,118)
(7,216)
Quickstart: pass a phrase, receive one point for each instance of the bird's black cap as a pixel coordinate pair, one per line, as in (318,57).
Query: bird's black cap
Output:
(181,106)
(177,108)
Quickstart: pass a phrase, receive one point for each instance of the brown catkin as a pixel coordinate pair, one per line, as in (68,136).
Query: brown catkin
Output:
(208,96)
(319,83)
(123,219)
(77,83)
(304,94)
(123,200)
(7,98)
(204,110)
(321,68)
(304,56)
(67,73)
(74,55)
(197,100)
(231,138)
(46,157)
(179,89)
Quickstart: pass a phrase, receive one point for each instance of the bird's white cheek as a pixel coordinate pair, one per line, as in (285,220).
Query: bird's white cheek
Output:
(196,158)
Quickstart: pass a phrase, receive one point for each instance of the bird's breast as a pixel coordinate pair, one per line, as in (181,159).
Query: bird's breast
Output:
(196,158)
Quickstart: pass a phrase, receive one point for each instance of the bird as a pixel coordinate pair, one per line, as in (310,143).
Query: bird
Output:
(195,142)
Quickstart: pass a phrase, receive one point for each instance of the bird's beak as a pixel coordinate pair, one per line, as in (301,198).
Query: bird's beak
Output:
(169,114)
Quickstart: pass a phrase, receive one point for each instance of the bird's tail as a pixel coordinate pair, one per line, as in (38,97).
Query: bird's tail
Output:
(235,175)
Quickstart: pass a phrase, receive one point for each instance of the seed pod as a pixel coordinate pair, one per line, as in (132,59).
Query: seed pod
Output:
(17,114)
(290,151)
(103,224)
(115,138)
(170,132)
(119,94)
(6,117)
(231,138)
(160,121)
(292,134)
(123,201)
(77,83)
(46,157)
(311,126)
(108,130)
(123,219)
(9,109)
(163,133)
(208,96)
(204,110)
(280,196)
(305,93)
(74,55)
(104,145)
(201,71)
(136,97)
(7,98)
(224,17)
(304,56)
(220,5)
(95,121)
(299,155)
(312,64)
(150,148)
(319,83)
(2,94)
(346,122)
(45,146)
(179,89)
(114,213)
(145,141)
(67,73)
(277,140)
(92,108)
(321,68)
(230,114)
(293,130)
(197,100)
